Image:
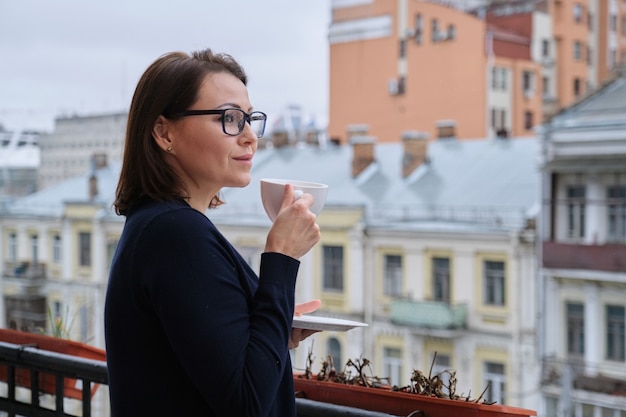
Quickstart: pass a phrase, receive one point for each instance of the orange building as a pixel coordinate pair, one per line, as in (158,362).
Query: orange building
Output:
(581,46)
(497,70)
(408,65)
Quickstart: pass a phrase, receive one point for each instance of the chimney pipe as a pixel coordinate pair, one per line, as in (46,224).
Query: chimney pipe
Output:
(362,153)
(415,149)
(446,129)
(280,138)
(356,130)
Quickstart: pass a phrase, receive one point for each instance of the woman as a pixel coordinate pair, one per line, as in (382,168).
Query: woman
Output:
(190,328)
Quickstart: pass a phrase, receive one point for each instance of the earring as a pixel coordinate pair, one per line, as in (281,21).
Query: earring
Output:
(169,149)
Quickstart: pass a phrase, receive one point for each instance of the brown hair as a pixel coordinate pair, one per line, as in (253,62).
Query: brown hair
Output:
(169,86)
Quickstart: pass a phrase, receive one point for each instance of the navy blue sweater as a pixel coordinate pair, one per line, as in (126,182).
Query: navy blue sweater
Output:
(190,328)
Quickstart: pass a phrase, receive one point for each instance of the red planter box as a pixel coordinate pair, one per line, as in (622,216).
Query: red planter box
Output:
(47,382)
(398,403)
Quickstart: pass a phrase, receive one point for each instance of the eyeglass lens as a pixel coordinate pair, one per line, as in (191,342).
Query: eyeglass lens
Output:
(234,122)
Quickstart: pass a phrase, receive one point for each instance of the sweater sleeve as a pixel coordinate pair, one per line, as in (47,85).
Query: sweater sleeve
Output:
(230,337)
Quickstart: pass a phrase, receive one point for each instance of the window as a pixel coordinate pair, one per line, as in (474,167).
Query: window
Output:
(613,22)
(34,249)
(545,82)
(577,87)
(495,379)
(392,280)
(545,48)
(615,336)
(441,279)
(576,329)
(435,30)
(527,81)
(112,247)
(578,13)
(12,247)
(528,120)
(494,283)
(84,242)
(498,78)
(333,268)
(84,323)
(612,57)
(576,211)
(617,213)
(392,364)
(578,50)
(334,350)
(56,249)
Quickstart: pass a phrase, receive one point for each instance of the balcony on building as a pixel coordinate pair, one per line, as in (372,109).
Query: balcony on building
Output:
(429,314)
(25,270)
(610,257)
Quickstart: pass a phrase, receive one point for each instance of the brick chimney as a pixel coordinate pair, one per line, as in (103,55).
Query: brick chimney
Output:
(446,129)
(362,153)
(415,149)
(280,137)
(356,130)
(93,187)
(99,160)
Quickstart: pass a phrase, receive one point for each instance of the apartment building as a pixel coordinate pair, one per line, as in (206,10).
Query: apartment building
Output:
(497,69)
(580,45)
(67,151)
(417,65)
(583,276)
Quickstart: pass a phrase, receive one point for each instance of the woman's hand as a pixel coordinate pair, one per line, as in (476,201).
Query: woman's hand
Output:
(298,335)
(294,231)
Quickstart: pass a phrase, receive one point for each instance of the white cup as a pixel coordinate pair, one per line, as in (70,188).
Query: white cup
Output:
(273,192)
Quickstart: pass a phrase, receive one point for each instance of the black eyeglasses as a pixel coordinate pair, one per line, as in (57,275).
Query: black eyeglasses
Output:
(233,120)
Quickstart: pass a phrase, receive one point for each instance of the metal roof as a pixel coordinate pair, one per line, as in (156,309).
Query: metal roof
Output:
(493,182)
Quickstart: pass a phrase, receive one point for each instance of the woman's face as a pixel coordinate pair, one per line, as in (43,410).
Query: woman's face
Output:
(207,158)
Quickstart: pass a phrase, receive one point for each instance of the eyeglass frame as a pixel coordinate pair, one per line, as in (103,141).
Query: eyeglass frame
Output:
(247,117)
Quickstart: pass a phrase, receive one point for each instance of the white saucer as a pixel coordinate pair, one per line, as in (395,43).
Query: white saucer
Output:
(325,323)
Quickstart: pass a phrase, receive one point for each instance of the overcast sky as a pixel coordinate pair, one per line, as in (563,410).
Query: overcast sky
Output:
(66,57)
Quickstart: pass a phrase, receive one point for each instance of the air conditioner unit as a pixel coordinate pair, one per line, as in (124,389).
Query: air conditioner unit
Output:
(392,87)
(529,93)
(442,36)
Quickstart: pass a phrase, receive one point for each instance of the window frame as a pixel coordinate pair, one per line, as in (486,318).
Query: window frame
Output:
(332,268)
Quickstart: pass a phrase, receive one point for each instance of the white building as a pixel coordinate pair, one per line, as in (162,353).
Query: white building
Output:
(583,234)
(19,161)
(66,153)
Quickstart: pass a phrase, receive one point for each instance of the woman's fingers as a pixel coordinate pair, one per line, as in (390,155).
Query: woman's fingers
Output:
(307,307)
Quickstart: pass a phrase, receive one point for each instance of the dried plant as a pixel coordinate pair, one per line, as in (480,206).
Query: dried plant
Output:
(359,372)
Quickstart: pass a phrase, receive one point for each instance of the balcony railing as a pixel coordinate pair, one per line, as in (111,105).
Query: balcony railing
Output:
(429,314)
(609,257)
(14,359)
(25,270)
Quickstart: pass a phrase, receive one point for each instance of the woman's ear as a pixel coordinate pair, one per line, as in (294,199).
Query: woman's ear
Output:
(162,135)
